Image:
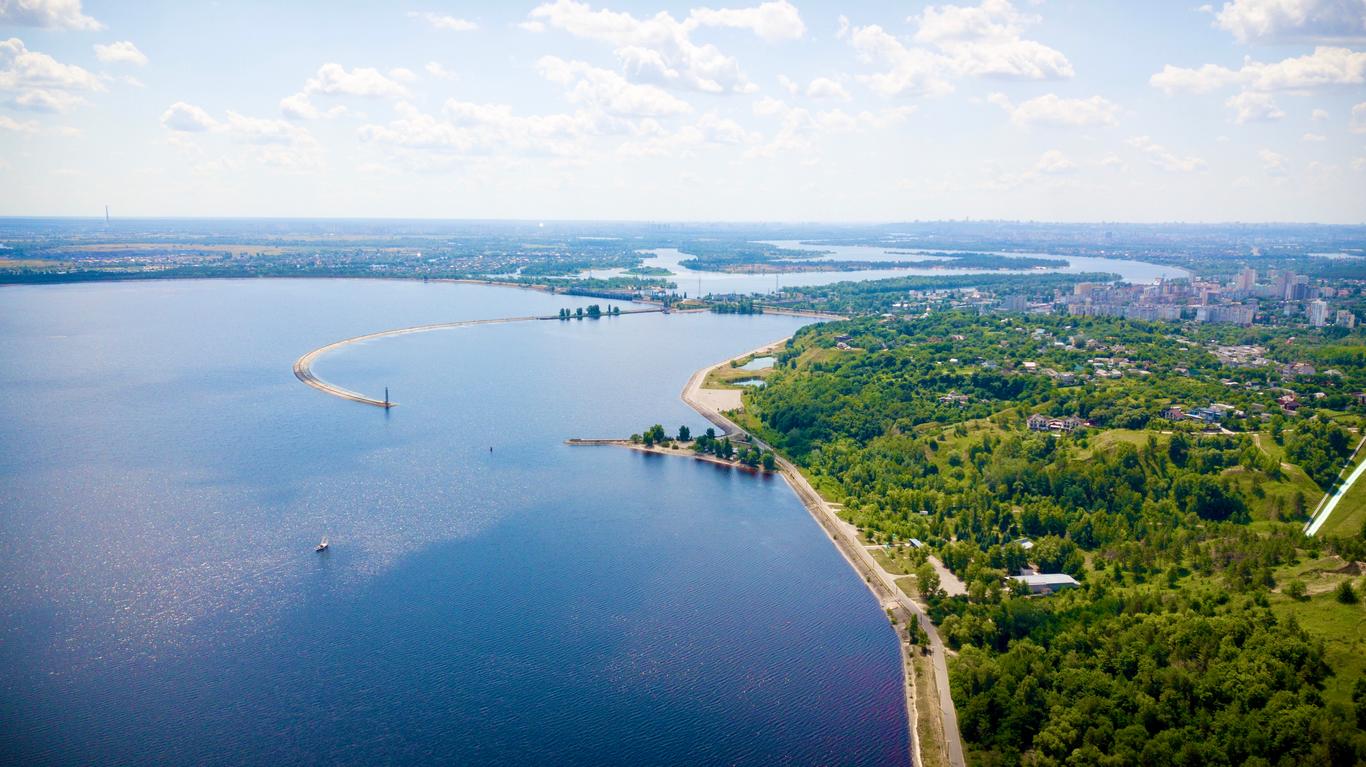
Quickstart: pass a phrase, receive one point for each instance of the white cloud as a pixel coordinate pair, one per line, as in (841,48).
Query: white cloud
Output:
(182,117)
(334,79)
(11,124)
(1281,20)
(800,128)
(825,88)
(1165,159)
(268,141)
(1049,109)
(1273,163)
(1324,67)
(57,14)
(469,128)
(187,118)
(709,130)
(768,106)
(608,91)
(1051,163)
(300,107)
(120,52)
(444,22)
(1319,115)
(403,75)
(1250,106)
(912,71)
(772,21)
(985,40)
(789,85)
(1210,77)
(1313,137)
(40,82)
(435,69)
(263,130)
(1054,162)
(1358,122)
(660,49)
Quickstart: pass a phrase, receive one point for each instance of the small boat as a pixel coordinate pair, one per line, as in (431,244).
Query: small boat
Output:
(322,546)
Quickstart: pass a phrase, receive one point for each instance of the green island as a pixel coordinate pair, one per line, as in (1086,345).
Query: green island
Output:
(1124,505)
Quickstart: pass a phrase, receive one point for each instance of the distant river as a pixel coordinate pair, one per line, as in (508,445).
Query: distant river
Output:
(164,478)
(691,281)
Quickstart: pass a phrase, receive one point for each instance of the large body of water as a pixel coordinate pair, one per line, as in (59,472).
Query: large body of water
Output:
(164,477)
(694,282)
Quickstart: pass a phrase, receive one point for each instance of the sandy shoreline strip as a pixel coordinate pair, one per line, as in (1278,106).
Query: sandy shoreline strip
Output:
(847,541)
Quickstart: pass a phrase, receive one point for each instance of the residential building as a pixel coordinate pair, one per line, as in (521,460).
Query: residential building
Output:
(1317,311)
(1046,583)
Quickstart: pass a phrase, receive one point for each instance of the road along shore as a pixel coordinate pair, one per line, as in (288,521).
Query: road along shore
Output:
(303,367)
(846,538)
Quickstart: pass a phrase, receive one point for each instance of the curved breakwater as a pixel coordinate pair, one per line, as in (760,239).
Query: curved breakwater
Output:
(303,367)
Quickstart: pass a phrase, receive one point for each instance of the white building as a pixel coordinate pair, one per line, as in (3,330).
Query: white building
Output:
(1046,583)
(1345,319)
(1317,310)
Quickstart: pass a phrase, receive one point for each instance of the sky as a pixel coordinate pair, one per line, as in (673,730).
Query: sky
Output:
(787,110)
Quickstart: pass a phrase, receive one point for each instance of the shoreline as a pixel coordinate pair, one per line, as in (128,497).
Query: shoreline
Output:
(676,452)
(881,583)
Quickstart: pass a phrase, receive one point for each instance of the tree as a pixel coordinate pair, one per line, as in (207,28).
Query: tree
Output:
(1346,594)
(1295,589)
(927,581)
(684,434)
(770,463)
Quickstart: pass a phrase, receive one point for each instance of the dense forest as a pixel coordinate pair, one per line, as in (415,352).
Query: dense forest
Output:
(1181,645)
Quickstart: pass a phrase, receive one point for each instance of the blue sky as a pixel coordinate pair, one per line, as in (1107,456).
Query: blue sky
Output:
(1248,110)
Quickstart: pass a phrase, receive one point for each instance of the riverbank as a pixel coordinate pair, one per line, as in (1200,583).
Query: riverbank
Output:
(881,583)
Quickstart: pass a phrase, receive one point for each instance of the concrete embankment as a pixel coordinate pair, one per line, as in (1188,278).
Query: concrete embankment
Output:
(303,367)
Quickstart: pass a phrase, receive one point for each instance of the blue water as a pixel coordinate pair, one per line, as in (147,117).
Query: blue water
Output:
(704,283)
(758,363)
(163,479)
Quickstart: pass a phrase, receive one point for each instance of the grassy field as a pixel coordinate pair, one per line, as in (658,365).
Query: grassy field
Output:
(907,586)
(1350,514)
(1341,627)
(724,377)
(893,562)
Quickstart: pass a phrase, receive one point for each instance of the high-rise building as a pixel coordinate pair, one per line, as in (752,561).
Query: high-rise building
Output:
(1345,319)
(1247,279)
(1317,311)
(1296,287)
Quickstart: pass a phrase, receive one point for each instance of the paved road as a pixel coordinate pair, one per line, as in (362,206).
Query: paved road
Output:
(853,549)
(1313,527)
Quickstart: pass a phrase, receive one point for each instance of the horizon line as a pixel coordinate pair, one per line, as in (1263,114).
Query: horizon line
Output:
(693,222)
